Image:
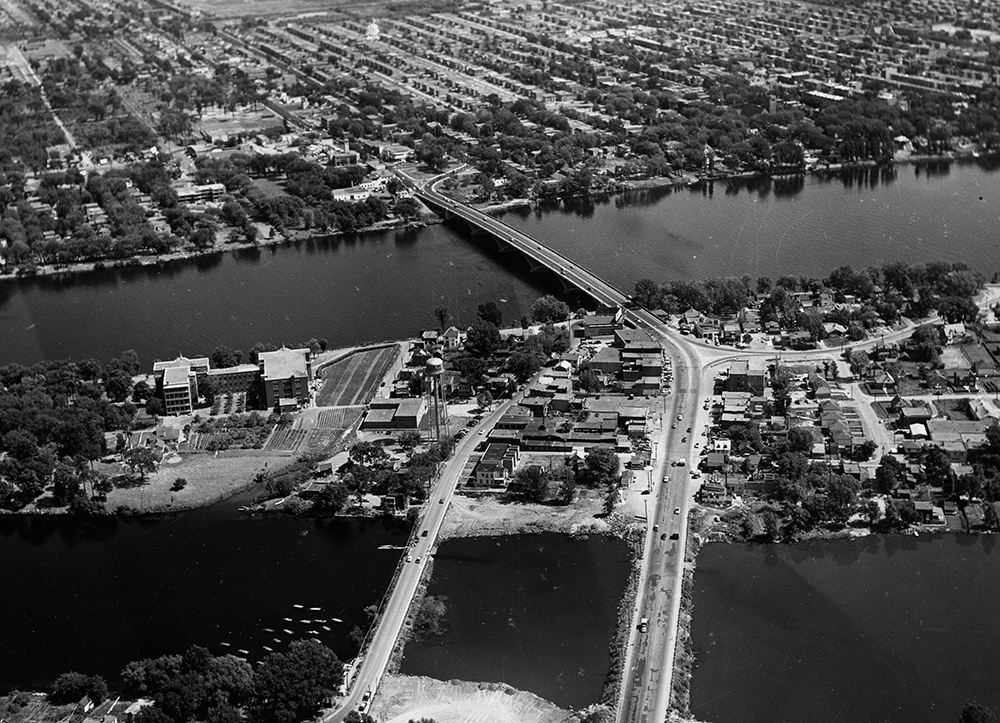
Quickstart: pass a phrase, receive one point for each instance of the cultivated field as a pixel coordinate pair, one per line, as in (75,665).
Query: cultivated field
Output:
(354,380)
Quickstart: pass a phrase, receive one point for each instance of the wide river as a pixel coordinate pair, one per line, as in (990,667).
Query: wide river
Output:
(93,594)
(381,286)
(888,628)
(535,611)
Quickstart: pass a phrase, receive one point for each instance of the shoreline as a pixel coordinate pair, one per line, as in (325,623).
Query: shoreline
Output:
(430,218)
(283,239)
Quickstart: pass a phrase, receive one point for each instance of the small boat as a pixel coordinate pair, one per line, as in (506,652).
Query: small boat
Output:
(288,620)
(317,640)
(270,650)
(300,607)
(315,608)
(245,652)
(226,644)
(336,620)
(326,628)
(319,621)
(268,630)
(305,622)
(314,632)
(289,632)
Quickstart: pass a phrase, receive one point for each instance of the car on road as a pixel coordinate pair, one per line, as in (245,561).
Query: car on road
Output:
(679,417)
(655,528)
(418,560)
(409,558)
(677,510)
(681,462)
(684,439)
(673,426)
(663,536)
(480,431)
(441,501)
(674,536)
(689,429)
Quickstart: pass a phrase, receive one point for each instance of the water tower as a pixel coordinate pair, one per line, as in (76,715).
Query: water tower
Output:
(433,369)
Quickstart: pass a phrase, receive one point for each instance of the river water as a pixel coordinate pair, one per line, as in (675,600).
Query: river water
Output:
(374,287)
(888,628)
(93,594)
(534,611)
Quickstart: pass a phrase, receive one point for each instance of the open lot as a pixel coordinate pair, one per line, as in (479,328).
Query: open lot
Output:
(355,379)
(474,516)
(209,479)
(404,698)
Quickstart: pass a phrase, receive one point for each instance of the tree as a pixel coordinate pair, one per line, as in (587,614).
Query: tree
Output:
(549,309)
(223,356)
(483,338)
(331,500)
(589,380)
(864,451)
(489,311)
(294,686)
(973,712)
(70,687)
(484,399)
(601,466)
(889,475)
(442,315)
(408,439)
(800,439)
(368,454)
(140,460)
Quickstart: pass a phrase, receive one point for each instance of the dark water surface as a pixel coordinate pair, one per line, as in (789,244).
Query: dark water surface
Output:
(534,611)
(895,629)
(806,225)
(380,286)
(349,290)
(93,594)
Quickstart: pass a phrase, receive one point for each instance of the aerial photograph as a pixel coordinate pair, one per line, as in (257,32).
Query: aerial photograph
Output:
(499,361)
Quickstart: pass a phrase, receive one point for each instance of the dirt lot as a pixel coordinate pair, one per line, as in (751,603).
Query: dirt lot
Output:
(469,517)
(403,698)
(209,479)
(355,379)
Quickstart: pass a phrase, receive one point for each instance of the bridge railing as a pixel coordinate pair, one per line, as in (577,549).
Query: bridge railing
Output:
(474,215)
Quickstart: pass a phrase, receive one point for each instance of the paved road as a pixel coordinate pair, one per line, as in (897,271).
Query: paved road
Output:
(645,694)
(376,659)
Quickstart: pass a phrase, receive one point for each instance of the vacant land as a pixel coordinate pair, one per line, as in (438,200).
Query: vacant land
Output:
(403,698)
(354,379)
(209,479)
(471,517)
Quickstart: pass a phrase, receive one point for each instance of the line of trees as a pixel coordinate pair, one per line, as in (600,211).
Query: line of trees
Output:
(53,418)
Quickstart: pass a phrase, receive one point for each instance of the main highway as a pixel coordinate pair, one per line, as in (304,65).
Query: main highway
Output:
(373,665)
(647,677)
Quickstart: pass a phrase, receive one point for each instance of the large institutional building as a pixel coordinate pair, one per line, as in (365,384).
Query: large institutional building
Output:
(279,380)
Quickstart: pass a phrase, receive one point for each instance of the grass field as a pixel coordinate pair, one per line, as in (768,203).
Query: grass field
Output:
(209,479)
(355,379)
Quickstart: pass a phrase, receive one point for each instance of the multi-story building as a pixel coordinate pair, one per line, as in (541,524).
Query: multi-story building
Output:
(285,374)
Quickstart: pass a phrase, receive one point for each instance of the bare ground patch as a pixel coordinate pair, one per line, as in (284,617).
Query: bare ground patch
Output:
(475,516)
(402,698)
(209,479)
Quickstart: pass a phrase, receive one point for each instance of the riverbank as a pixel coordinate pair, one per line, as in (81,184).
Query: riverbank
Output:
(483,516)
(680,682)
(275,240)
(403,698)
